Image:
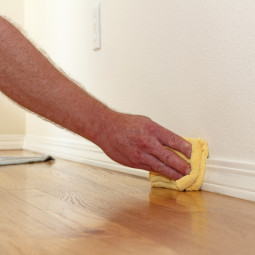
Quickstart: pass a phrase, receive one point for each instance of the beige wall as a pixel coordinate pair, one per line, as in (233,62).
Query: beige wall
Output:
(12,117)
(189,65)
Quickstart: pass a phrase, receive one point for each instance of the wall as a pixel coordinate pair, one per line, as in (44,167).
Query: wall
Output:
(189,65)
(12,117)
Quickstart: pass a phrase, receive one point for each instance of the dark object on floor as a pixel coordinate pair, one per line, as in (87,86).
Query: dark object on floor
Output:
(4,161)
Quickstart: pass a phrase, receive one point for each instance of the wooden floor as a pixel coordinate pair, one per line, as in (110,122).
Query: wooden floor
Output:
(70,208)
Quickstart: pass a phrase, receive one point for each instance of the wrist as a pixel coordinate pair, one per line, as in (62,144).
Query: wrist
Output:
(104,125)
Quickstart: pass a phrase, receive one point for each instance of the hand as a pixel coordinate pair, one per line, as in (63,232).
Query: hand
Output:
(138,142)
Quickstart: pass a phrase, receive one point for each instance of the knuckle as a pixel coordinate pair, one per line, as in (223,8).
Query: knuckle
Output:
(167,156)
(172,140)
(152,128)
(160,168)
(144,142)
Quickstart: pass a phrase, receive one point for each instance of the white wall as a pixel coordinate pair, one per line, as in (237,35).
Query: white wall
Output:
(58,27)
(12,117)
(189,65)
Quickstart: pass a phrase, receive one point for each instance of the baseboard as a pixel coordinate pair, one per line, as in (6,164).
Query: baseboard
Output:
(232,178)
(226,177)
(11,142)
(79,151)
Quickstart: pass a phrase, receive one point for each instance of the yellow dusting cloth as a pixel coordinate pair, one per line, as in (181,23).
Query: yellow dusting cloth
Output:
(194,180)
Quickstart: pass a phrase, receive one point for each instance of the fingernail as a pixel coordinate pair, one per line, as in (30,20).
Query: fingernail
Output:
(177,177)
(180,176)
(188,170)
(189,152)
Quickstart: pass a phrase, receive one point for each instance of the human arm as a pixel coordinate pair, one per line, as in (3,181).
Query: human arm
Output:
(30,79)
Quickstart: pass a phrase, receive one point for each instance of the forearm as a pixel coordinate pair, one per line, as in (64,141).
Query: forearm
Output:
(29,78)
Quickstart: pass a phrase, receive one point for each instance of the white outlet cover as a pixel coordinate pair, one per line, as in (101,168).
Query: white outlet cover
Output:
(96,27)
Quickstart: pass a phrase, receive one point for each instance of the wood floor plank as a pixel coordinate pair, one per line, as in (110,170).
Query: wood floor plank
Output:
(70,208)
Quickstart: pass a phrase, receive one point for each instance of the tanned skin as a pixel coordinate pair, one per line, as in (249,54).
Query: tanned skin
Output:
(31,80)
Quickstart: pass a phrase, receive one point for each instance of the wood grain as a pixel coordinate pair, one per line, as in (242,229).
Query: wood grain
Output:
(70,208)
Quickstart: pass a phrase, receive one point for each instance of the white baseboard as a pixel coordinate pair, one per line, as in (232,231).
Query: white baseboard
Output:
(232,178)
(11,142)
(83,152)
(236,179)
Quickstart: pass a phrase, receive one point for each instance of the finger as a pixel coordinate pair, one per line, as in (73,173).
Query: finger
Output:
(175,142)
(171,159)
(153,164)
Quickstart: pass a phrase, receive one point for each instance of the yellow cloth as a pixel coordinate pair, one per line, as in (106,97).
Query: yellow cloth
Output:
(194,180)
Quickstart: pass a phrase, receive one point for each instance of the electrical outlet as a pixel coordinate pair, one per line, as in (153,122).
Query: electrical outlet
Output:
(96,27)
